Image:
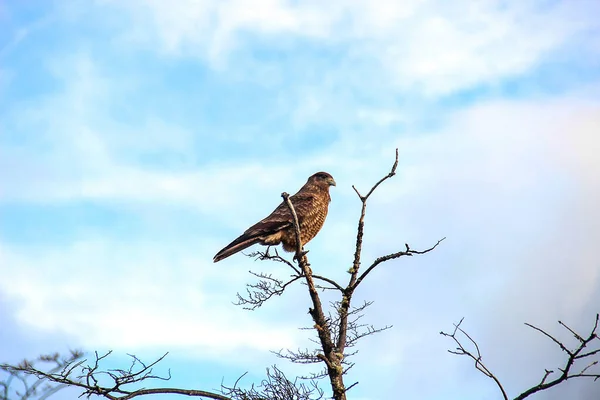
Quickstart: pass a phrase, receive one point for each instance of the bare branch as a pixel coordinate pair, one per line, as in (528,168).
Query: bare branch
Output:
(333,283)
(27,389)
(562,347)
(547,372)
(300,253)
(408,252)
(300,356)
(264,255)
(389,175)
(343,310)
(591,353)
(87,378)
(267,287)
(573,332)
(351,386)
(546,382)
(361,220)
(462,351)
(276,386)
(574,355)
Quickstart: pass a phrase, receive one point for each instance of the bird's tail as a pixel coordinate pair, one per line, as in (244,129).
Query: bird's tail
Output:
(238,244)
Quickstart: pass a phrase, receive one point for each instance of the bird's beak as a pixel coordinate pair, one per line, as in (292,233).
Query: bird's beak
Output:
(331,182)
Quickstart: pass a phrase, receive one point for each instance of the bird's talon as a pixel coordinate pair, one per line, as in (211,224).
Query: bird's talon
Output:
(299,256)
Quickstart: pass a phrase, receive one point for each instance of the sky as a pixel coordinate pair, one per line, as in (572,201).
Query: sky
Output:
(137,138)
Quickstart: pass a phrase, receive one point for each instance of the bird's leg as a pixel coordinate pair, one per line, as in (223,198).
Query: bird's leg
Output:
(267,255)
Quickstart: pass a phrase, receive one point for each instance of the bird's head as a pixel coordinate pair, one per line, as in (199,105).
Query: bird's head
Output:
(322,179)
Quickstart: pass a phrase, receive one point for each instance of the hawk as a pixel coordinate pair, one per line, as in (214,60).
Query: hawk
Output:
(310,203)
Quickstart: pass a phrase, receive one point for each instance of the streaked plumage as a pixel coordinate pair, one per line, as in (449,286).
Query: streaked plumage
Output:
(311,204)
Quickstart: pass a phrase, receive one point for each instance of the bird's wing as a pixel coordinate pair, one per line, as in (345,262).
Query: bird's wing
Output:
(281,217)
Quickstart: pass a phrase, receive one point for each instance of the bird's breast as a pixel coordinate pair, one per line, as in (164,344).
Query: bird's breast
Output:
(312,223)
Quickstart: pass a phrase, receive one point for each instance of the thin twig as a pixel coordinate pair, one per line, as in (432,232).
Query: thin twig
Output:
(546,382)
(562,346)
(574,355)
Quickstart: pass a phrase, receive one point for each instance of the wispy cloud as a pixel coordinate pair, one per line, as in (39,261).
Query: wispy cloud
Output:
(417,45)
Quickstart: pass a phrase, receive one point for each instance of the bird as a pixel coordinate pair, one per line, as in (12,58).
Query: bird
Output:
(311,204)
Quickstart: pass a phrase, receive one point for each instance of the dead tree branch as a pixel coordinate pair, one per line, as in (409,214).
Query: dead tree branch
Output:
(267,287)
(260,255)
(276,386)
(40,389)
(574,356)
(408,252)
(566,372)
(355,278)
(112,384)
(462,351)
(265,255)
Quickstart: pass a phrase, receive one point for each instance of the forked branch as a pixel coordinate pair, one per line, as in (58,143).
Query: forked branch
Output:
(18,385)
(567,371)
(90,377)
(361,220)
(267,287)
(355,278)
(462,351)
(574,355)
(408,252)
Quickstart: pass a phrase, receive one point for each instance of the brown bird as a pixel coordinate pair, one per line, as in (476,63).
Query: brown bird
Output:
(311,204)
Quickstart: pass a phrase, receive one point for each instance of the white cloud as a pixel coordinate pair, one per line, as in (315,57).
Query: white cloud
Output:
(135,295)
(423,45)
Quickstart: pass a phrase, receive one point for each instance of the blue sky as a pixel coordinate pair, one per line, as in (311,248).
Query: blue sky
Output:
(139,137)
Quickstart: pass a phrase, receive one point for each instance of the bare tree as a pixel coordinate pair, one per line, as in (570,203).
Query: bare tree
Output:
(338,329)
(585,355)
